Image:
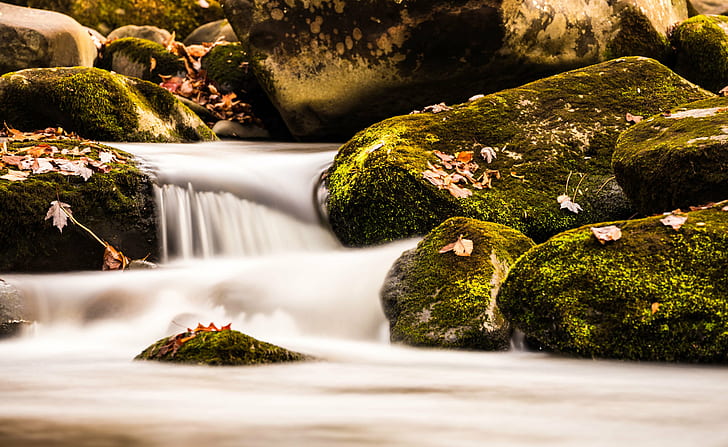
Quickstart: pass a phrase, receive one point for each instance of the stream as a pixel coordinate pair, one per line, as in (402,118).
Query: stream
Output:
(242,243)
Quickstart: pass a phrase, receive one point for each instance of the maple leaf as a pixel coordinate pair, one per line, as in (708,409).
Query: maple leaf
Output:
(606,234)
(464,156)
(59,211)
(634,119)
(114,259)
(14,176)
(488,153)
(674,221)
(461,247)
(567,203)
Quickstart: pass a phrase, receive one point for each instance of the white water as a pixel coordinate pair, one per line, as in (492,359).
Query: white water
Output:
(70,380)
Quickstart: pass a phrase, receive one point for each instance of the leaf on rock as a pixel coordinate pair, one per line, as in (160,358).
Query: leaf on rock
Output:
(634,119)
(460,193)
(13,160)
(606,234)
(107,157)
(674,221)
(464,156)
(59,211)
(567,203)
(114,259)
(488,153)
(461,247)
(655,307)
(15,176)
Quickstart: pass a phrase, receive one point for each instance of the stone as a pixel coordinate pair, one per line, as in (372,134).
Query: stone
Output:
(550,138)
(219,30)
(448,301)
(140,58)
(710,6)
(223,348)
(98,105)
(333,67)
(12,310)
(148,32)
(232,129)
(33,38)
(654,294)
(701,51)
(675,161)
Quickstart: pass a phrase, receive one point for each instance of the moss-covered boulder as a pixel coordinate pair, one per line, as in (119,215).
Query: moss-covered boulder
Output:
(148,32)
(219,348)
(140,58)
(98,105)
(547,139)
(676,160)
(447,300)
(654,294)
(701,49)
(333,67)
(118,206)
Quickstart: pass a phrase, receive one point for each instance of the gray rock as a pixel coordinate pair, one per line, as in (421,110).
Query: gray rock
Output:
(212,32)
(35,38)
(710,6)
(232,129)
(12,310)
(158,35)
(334,67)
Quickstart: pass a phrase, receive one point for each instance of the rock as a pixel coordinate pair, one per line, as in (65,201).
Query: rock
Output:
(117,206)
(550,138)
(669,162)
(333,67)
(212,32)
(232,129)
(180,16)
(654,294)
(148,32)
(701,48)
(448,301)
(33,38)
(12,310)
(231,348)
(140,58)
(710,6)
(98,105)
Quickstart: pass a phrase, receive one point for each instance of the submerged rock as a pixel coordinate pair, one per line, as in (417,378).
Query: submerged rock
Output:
(223,348)
(333,67)
(147,32)
(98,105)
(538,145)
(140,58)
(701,51)
(675,161)
(445,300)
(32,38)
(655,294)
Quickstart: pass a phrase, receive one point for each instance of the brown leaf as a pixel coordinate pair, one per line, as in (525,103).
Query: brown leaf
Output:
(634,119)
(464,156)
(114,259)
(608,233)
(461,247)
(723,91)
(674,221)
(59,211)
(13,160)
(460,193)
(655,307)
(15,176)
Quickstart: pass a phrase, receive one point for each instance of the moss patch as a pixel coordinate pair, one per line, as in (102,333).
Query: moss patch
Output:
(230,348)
(655,294)
(443,300)
(701,47)
(637,37)
(132,56)
(544,133)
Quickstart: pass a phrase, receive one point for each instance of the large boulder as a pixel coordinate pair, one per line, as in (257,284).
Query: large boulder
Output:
(33,38)
(710,6)
(447,300)
(96,104)
(333,67)
(140,58)
(656,293)
(148,32)
(219,30)
(677,159)
(701,50)
(543,148)
(218,348)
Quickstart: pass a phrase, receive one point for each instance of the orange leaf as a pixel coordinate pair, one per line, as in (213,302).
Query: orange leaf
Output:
(464,156)
(655,307)
(114,259)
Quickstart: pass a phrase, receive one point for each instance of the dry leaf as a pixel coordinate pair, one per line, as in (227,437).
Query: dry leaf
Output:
(674,221)
(460,193)
(606,234)
(59,211)
(15,176)
(488,153)
(464,156)
(655,307)
(567,203)
(634,119)
(114,259)
(461,247)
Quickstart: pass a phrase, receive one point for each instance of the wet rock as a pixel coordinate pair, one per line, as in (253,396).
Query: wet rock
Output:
(224,348)
(98,105)
(654,294)
(448,301)
(148,32)
(140,58)
(12,310)
(33,38)
(212,32)
(710,6)
(232,129)
(333,67)
(675,161)
(546,142)
(701,51)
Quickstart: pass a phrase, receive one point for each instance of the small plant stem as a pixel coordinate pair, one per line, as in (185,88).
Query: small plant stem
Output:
(73,219)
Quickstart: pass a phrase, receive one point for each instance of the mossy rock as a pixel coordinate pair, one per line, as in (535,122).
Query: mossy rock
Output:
(230,348)
(701,48)
(118,206)
(98,105)
(654,294)
(212,32)
(444,300)
(133,56)
(675,161)
(545,134)
(147,32)
(180,16)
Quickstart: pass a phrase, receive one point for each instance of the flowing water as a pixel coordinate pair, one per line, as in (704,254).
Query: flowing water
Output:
(243,244)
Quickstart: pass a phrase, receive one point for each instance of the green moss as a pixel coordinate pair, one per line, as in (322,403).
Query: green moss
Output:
(142,51)
(665,163)
(655,294)
(443,300)
(227,66)
(701,46)
(222,348)
(637,37)
(559,128)
(117,206)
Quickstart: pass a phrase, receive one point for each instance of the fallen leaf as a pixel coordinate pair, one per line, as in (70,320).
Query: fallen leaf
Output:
(152,64)
(634,119)
(15,176)
(114,259)
(458,192)
(488,153)
(655,307)
(519,177)
(461,247)
(59,211)
(13,160)
(606,234)
(475,97)
(674,221)
(568,204)
(464,156)
(723,91)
